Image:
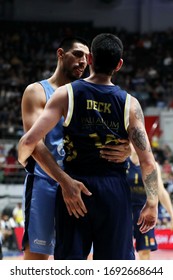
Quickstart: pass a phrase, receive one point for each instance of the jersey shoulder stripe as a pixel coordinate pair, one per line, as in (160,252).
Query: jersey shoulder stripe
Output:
(70,105)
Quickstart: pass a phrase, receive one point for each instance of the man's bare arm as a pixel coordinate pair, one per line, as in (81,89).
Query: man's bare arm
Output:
(140,141)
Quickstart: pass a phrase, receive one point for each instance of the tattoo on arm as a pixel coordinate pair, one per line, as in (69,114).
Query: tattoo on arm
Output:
(151,185)
(138,136)
(138,113)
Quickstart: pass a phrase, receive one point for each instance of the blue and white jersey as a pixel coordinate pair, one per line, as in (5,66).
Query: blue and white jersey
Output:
(53,140)
(97,115)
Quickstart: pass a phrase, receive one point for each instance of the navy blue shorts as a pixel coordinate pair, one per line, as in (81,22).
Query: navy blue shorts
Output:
(107,225)
(144,241)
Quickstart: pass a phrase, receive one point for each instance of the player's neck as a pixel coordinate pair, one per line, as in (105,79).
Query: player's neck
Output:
(58,79)
(100,78)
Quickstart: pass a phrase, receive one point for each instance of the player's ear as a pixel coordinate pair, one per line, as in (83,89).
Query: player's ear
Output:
(120,63)
(60,52)
(89,59)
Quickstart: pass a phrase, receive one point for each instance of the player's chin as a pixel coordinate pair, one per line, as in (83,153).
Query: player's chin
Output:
(78,73)
(78,76)
(75,77)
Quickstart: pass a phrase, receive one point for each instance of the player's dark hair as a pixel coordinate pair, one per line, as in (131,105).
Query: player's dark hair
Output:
(107,49)
(67,43)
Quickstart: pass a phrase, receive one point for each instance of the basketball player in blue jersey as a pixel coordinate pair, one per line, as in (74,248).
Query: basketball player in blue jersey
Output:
(40,188)
(144,243)
(96,113)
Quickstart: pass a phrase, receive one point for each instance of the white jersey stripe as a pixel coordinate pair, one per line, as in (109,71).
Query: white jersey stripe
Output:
(127,111)
(70,105)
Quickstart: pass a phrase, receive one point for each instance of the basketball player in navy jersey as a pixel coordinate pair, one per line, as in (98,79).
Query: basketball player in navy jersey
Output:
(96,113)
(144,243)
(40,188)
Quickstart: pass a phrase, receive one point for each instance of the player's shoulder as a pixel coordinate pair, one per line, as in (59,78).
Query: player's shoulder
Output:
(134,104)
(34,92)
(34,87)
(78,82)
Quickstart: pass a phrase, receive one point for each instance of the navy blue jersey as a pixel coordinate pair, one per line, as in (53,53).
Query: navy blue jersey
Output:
(97,115)
(134,178)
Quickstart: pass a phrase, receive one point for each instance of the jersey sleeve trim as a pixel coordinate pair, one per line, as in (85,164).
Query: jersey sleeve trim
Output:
(70,105)
(127,111)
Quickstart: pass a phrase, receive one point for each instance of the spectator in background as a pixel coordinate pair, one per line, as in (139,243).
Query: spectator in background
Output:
(10,164)
(166,169)
(7,226)
(2,161)
(168,152)
(2,154)
(169,185)
(18,215)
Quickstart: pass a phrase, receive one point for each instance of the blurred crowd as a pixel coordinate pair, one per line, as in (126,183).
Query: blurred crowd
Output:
(11,219)
(28,53)
(11,172)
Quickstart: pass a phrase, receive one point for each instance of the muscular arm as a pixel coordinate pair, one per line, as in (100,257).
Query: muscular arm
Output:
(33,103)
(164,197)
(140,141)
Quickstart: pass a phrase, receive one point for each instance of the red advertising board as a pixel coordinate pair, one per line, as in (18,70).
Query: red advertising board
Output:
(164,238)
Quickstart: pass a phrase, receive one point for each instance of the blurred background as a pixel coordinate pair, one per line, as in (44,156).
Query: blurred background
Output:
(29,35)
